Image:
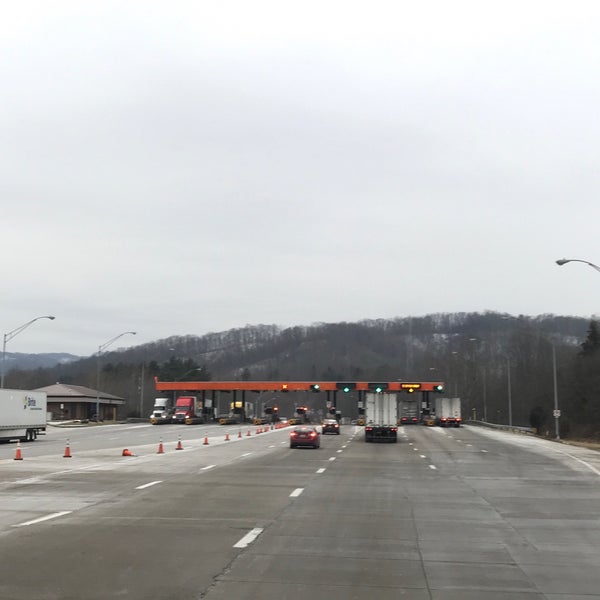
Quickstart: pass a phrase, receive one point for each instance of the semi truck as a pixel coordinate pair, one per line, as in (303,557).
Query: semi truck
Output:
(410,411)
(381,417)
(23,415)
(162,412)
(447,412)
(188,410)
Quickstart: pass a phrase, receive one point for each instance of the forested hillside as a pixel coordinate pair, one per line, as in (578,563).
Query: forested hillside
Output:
(476,354)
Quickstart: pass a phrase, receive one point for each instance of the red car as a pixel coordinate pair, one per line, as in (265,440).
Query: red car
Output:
(305,435)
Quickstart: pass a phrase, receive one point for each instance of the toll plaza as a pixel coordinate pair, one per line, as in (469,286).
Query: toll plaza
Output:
(331,389)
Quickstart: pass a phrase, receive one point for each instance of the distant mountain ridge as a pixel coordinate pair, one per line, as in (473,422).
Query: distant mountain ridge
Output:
(28,362)
(485,358)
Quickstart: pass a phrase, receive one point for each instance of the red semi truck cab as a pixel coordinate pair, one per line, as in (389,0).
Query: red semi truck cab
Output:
(188,410)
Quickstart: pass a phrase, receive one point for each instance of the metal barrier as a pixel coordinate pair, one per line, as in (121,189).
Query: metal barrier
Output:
(513,428)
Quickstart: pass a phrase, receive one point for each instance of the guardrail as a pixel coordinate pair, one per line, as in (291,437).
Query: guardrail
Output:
(513,428)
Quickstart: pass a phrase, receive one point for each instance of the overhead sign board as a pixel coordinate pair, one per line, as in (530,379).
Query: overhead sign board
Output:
(410,386)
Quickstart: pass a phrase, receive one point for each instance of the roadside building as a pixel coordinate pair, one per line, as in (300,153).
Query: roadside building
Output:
(77,402)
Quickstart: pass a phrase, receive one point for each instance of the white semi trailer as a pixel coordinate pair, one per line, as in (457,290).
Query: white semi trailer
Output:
(381,416)
(23,414)
(447,412)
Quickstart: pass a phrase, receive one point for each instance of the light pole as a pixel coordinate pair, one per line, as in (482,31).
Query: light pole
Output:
(561,262)
(556,410)
(509,392)
(101,349)
(483,377)
(10,335)
(564,261)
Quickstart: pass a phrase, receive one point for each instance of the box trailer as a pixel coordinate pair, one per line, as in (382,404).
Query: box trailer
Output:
(447,412)
(23,414)
(381,418)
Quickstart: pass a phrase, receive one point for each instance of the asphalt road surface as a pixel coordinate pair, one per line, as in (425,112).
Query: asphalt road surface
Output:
(453,514)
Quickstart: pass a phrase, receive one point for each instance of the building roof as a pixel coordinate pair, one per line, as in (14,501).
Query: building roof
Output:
(77,392)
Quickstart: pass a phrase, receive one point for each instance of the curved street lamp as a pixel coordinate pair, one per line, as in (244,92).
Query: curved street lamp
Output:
(10,335)
(561,262)
(101,349)
(564,261)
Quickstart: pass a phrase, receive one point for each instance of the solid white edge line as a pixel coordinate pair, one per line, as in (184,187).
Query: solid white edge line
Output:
(147,485)
(296,492)
(41,519)
(208,467)
(579,460)
(249,538)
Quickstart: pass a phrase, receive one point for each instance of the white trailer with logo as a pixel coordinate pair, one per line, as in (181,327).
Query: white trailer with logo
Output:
(23,415)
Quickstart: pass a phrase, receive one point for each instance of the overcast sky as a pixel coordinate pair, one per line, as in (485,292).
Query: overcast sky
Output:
(177,168)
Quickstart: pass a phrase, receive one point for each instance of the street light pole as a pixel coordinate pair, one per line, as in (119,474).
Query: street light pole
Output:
(9,336)
(484,396)
(564,261)
(556,411)
(101,349)
(561,262)
(509,393)
(142,391)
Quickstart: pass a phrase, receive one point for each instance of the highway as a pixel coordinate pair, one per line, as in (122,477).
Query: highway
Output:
(452,514)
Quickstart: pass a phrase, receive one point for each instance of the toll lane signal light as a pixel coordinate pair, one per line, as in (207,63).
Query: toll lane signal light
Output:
(315,387)
(345,386)
(284,387)
(438,388)
(378,387)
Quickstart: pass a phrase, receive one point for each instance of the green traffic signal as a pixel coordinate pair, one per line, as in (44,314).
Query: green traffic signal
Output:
(345,386)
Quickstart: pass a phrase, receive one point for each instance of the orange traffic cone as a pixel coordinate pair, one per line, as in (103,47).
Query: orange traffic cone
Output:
(179,446)
(206,441)
(18,452)
(127,452)
(240,433)
(161,449)
(226,437)
(67,453)
(248,434)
